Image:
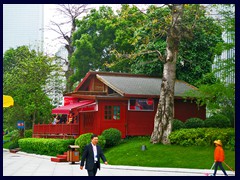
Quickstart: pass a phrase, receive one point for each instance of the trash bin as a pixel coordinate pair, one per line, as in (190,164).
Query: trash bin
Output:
(73,154)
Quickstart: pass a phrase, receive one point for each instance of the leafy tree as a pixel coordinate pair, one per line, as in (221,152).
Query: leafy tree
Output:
(219,96)
(24,79)
(93,40)
(196,50)
(129,40)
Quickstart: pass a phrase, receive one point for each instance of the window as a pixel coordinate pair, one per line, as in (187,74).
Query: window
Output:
(141,105)
(112,113)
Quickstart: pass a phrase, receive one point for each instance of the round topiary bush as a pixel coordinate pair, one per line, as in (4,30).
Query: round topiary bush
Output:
(177,124)
(85,139)
(217,121)
(112,136)
(194,123)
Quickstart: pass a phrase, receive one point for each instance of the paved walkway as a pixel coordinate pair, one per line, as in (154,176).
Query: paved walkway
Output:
(24,164)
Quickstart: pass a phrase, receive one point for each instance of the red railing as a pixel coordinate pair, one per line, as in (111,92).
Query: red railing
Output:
(55,129)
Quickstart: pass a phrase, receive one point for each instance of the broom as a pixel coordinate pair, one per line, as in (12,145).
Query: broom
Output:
(206,174)
(229,167)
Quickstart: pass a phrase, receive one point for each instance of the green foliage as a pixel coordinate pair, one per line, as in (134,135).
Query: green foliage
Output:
(101,141)
(15,136)
(112,136)
(177,124)
(85,139)
(196,54)
(208,78)
(93,40)
(217,120)
(204,36)
(28,133)
(50,147)
(219,96)
(194,123)
(25,75)
(13,145)
(125,41)
(82,141)
(203,137)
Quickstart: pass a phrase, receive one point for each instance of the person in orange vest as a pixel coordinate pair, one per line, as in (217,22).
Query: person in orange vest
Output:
(218,157)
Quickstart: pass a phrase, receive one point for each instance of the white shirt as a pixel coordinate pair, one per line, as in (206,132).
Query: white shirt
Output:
(54,121)
(95,153)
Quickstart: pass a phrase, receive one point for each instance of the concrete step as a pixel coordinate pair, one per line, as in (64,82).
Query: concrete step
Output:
(62,156)
(14,150)
(58,159)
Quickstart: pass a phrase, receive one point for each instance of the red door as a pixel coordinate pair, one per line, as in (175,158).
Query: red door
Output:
(113,115)
(87,122)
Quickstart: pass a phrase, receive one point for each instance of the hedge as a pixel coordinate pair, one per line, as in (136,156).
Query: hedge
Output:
(203,137)
(51,147)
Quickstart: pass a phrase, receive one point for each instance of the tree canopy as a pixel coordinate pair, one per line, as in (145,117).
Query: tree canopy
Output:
(218,87)
(125,42)
(25,73)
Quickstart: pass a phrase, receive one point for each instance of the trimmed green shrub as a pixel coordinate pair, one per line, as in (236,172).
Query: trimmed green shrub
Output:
(28,133)
(51,147)
(85,139)
(194,123)
(82,141)
(218,121)
(112,136)
(203,137)
(177,124)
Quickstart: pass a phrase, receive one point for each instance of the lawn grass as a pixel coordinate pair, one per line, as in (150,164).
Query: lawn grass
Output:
(129,152)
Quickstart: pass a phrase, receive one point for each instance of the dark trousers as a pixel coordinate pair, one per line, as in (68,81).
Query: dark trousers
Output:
(221,167)
(93,172)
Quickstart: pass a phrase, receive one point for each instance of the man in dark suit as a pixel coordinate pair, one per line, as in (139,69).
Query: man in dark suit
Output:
(92,154)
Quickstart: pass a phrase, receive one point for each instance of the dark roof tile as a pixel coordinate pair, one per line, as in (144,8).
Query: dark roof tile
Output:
(134,85)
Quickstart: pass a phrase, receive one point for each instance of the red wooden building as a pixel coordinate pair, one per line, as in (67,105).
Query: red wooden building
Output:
(126,102)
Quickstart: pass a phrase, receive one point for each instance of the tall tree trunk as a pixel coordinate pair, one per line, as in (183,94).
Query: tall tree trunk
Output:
(70,49)
(69,83)
(69,72)
(70,13)
(164,114)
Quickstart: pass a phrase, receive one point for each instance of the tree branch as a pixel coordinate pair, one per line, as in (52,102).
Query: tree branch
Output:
(160,56)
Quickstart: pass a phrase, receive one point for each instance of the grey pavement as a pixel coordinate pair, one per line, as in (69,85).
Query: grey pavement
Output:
(24,164)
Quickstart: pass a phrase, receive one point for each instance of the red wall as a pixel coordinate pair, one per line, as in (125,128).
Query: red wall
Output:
(185,110)
(134,123)
(140,123)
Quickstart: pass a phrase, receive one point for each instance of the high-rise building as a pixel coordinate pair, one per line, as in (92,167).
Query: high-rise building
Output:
(227,56)
(58,84)
(23,25)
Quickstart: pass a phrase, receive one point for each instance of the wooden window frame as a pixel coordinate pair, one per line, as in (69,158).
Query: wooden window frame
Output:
(112,113)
